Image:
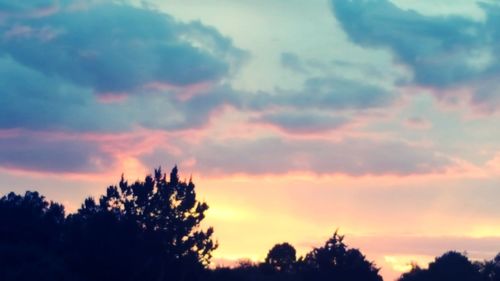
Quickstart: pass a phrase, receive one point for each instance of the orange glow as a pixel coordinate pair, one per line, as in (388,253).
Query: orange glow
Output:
(403,263)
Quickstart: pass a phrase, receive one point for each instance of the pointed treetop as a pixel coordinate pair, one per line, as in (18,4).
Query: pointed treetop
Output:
(174,177)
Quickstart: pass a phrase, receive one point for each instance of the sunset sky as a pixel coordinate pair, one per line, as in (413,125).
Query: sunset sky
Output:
(379,118)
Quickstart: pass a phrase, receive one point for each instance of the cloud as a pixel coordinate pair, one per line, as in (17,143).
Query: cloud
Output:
(274,155)
(292,62)
(114,48)
(417,123)
(444,52)
(482,247)
(329,93)
(136,59)
(29,152)
(303,122)
(34,8)
(51,103)
(31,100)
(113,68)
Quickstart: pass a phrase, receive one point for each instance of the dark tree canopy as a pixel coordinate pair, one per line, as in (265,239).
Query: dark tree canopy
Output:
(490,270)
(450,266)
(30,218)
(335,261)
(453,266)
(30,231)
(282,257)
(167,210)
(415,274)
(149,228)
(150,231)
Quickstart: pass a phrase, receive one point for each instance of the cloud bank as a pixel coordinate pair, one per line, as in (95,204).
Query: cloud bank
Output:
(443,52)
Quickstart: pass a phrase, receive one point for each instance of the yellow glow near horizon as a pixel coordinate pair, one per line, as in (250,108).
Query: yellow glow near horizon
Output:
(404,263)
(251,214)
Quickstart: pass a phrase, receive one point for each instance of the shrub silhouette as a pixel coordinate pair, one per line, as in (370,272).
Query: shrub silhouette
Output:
(282,257)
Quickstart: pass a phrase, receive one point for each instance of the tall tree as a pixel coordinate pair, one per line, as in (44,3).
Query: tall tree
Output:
(157,219)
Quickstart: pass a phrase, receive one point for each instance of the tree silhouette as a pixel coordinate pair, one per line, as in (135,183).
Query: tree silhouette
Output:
(450,266)
(490,270)
(147,230)
(30,232)
(281,257)
(453,266)
(99,246)
(150,231)
(415,274)
(335,261)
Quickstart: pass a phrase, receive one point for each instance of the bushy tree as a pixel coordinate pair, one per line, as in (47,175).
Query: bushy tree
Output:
(415,274)
(148,230)
(453,266)
(281,257)
(335,261)
(30,233)
(490,270)
(450,266)
(99,246)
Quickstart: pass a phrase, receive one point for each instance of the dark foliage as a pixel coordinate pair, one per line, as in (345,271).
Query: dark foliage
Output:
(150,231)
(450,266)
(335,261)
(30,232)
(415,274)
(490,270)
(142,231)
(282,257)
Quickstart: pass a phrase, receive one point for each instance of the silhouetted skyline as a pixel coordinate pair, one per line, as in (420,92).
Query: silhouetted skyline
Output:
(378,118)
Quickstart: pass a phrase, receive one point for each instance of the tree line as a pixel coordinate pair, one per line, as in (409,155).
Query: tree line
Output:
(150,231)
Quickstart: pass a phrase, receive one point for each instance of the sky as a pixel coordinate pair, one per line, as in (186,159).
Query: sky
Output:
(294,118)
